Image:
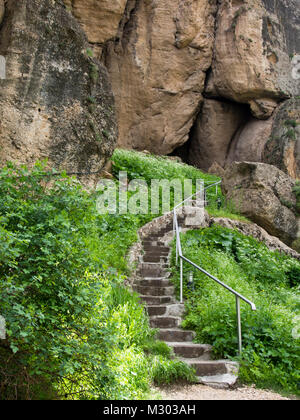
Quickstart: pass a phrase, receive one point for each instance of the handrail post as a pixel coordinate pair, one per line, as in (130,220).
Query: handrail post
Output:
(239,327)
(181,280)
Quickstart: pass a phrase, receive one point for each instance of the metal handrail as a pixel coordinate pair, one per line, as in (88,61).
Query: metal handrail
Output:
(182,258)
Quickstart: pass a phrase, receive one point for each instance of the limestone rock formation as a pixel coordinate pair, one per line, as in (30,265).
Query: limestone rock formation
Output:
(56,101)
(100,20)
(158,69)
(254,43)
(249,142)
(213,132)
(283,146)
(164,56)
(264,194)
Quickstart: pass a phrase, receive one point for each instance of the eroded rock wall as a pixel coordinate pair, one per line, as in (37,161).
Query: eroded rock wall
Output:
(158,70)
(56,102)
(265,195)
(164,57)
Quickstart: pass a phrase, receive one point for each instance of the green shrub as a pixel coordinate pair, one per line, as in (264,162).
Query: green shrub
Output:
(73,330)
(165,371)
(270,351)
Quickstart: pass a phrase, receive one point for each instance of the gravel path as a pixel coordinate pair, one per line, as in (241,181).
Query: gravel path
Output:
(201,392)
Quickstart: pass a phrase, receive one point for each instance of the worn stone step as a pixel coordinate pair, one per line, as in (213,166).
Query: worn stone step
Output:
(157,300)
(175,335)
(154,243)
(154,291)
(154,282)
(156,310)
(156,253)
(155,258)
(192,350)
(172,309)
(152,270)
(164,322)
(205,368)
(221,380)
(145,273)
(156,249)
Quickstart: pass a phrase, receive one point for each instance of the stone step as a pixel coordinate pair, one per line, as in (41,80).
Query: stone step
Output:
(175,335)
(156,249)
(151,273)
(155,243)
(192,350)
(224,381)
(155,258)
(157,300)
(154,282)
(173,309)
(154,291)
(156,270)
(156,310)
(164,322)
(205,368)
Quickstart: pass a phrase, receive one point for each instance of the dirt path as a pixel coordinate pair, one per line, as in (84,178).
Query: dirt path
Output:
(201,392)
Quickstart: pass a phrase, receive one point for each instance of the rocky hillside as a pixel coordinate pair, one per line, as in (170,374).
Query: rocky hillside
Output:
(56,101)
(215,75)
(212,80)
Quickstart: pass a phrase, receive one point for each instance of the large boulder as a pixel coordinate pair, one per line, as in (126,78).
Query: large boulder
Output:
(56,101)
(264,194)
(100,20)
(213,132)
(283,146)
(255,41)
(158,66)
(164,56)
(249,141)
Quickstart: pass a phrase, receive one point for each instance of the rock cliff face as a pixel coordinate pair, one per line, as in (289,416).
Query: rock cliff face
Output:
(56,101)
(282,148)
(264,194)
(213,75)
(158,67)
(165,57)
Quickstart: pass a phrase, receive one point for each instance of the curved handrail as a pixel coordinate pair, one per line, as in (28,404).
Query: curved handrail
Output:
(182,258)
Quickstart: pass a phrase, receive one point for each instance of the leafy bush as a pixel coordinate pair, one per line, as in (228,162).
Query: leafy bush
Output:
(165,371)
(270,352)
(73,330)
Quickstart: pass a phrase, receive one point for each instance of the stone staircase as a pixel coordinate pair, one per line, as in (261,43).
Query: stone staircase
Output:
(153,285)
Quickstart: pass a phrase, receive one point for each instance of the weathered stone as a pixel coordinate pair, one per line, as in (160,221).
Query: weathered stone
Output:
(160,53)
(254,42)
(265,195)
(283,146)
(249,142)
(213,132)
(99,20)
(157,67)
(56,101)
(216,169)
